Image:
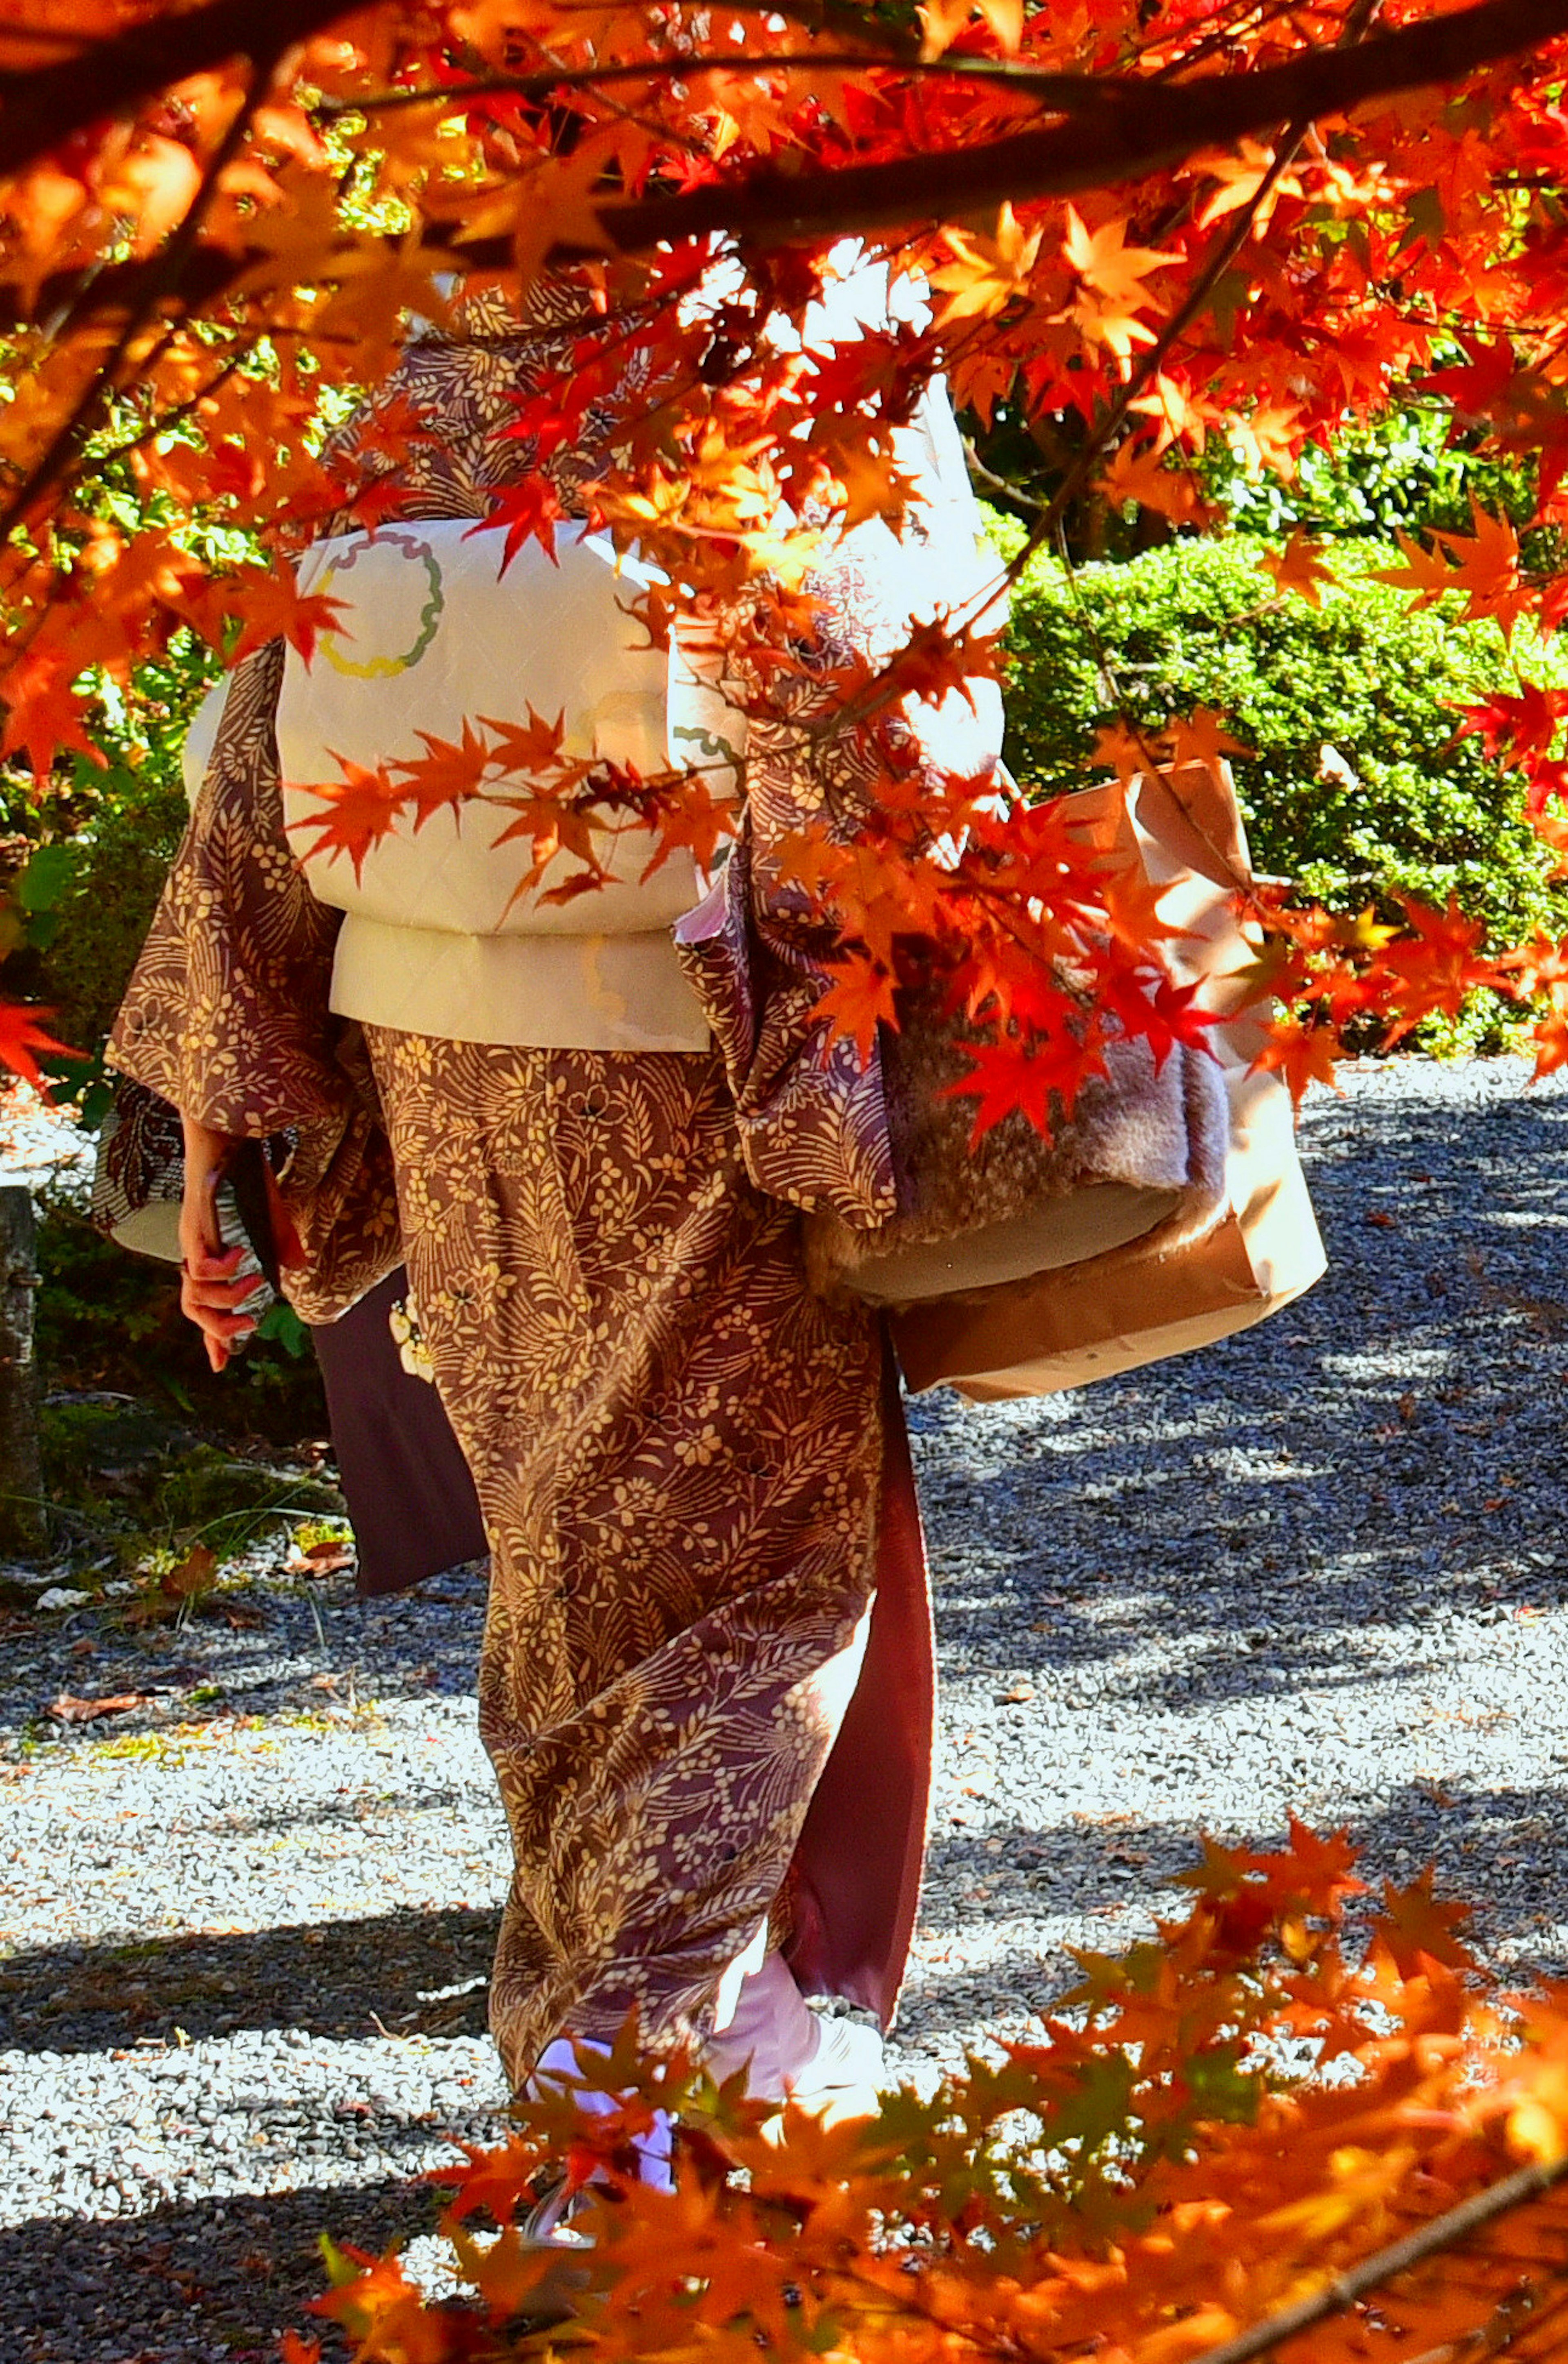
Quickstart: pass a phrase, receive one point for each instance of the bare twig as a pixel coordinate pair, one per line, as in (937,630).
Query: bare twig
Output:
(1444,2232)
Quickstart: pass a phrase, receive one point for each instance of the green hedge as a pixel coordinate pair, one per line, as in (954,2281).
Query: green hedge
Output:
(1424,813)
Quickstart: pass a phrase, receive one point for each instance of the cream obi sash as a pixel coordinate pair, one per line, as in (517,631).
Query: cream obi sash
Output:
(435,938)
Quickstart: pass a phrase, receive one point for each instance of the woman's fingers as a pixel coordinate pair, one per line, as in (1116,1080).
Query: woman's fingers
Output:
(215,1306)
(220,1295)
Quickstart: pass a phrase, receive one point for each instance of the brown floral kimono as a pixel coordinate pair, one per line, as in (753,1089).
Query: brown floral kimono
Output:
(693,1472)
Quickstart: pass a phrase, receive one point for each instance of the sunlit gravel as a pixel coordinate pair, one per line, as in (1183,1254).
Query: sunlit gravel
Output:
(247,1925)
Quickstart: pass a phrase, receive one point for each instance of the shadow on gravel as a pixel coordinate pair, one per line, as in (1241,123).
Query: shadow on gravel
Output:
(329,1979)
(1082,1866)
(216,2283)
(1302,1495)
(1485,1845)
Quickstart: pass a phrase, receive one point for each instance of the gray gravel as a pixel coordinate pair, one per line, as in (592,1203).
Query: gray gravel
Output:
(1321,1566)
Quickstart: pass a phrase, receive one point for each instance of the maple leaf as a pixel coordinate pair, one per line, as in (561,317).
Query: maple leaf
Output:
(1199,741)
(272,607)
(1136,473)
(1484,566)
(1241,176)
(941,22)
(531,749)
(690,819)
(23,1037)
(861,999)
(1111,293)
(1031,1077)
(447,776)
(988,272)
(1298,567)
(1435,966)
(528,512)
(1414,1928)
(1104,261)
(44,715)
(1302,1051)
(1516,728)
(1550,1036)
(361,809)
(495,2182)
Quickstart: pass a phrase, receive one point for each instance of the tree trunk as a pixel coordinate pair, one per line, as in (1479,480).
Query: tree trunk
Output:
(22,1528)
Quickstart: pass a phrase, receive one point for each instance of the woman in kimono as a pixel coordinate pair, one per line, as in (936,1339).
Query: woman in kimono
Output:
(705,1683)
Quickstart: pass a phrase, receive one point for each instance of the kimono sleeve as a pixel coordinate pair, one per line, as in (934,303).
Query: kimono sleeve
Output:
(227,1015)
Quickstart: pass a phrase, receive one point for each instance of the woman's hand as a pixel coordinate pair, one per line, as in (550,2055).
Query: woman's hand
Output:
(210,1294)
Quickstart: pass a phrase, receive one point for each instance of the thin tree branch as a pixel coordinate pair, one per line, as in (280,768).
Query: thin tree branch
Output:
(1068,94)
(157,275)
(1154,125)
(1136,126)
(41,107)
(1217,262)
(1444,2232)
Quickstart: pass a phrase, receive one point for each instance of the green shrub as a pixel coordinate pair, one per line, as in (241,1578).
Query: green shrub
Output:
(108,1319)
(1356,786)
(89,860)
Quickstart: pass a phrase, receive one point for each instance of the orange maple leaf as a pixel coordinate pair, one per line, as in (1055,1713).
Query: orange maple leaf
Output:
(1302,1051)
(446,777)
(362,808)
(272,607)
(986,272)
(1299,567)
(532,748)
(690,817)
(1414,1928)
(861,999)
(1484,566)
(44,715)
(1137,473)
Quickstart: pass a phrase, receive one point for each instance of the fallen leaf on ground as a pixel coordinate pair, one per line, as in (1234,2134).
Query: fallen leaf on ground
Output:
(68,1709)
(322,1559)
(195,1573)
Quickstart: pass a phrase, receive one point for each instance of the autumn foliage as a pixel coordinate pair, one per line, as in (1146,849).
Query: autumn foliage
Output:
(1210,2128)
(1148,226)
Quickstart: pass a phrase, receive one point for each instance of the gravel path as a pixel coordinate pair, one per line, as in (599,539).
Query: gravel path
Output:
(247,1924)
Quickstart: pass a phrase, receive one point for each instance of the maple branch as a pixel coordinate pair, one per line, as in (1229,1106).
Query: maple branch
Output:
(41,107)
(1444,2232)
(154,278)
(1151,126)
(1066,93)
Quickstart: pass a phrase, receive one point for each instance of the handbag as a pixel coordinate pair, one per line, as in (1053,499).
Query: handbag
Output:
(139,1179)
(1102,1304)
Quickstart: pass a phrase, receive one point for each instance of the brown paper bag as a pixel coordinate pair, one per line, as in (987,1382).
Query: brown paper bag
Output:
(1136,1303)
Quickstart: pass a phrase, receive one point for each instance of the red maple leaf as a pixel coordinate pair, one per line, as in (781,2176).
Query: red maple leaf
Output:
(529,512)
(22,1037)
(1513,729)
(1039,1079)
